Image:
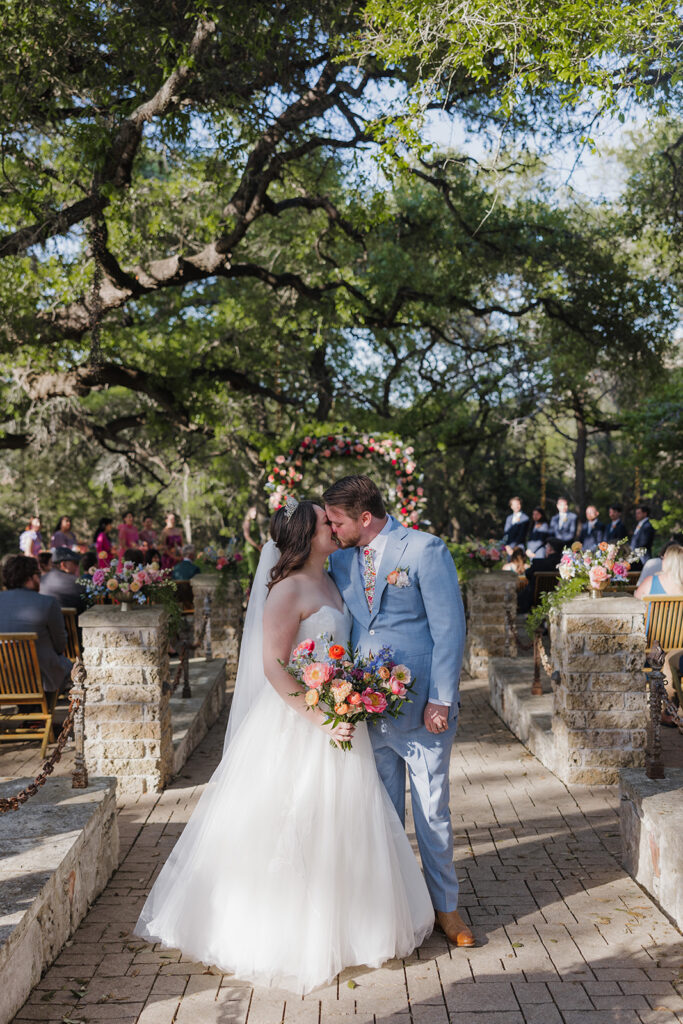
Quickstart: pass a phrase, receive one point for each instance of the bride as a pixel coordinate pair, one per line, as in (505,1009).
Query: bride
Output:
(294,864)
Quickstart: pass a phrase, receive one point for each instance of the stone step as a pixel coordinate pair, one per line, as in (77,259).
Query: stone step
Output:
(192,717)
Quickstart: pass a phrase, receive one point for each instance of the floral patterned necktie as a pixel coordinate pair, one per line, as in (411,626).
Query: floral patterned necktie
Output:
(369,575)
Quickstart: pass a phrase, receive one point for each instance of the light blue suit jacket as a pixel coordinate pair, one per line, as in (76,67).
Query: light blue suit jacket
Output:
(424,623)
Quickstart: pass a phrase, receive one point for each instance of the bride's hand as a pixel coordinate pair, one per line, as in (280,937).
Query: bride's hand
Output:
(342,733)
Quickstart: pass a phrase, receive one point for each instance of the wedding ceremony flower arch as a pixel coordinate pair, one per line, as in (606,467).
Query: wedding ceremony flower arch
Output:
(406,495)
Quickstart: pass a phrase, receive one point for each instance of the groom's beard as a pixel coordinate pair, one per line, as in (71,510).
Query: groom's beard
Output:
(349,542)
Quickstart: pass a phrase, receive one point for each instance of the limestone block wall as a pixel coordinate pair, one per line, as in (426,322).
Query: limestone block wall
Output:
(600,708)
(226,618)
(128,731)
(490,597)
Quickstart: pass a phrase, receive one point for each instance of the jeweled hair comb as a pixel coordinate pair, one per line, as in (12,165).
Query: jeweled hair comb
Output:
(291,505)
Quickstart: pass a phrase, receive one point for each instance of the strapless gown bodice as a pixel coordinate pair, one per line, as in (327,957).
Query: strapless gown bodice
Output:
(327,621)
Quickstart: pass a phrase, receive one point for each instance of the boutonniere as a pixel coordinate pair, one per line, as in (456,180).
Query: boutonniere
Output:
(399,577)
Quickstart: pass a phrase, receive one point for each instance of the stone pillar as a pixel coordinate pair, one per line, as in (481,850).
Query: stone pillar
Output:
(128,730)
(600,706)
(226,617)
(490,597)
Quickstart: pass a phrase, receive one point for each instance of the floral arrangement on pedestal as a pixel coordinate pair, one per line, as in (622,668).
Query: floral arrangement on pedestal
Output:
(485,555)
(228,562)
(128,583)
(287,471)
(581,571)
(608,565)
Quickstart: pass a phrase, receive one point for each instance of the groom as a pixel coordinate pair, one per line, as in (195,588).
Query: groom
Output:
(402,589)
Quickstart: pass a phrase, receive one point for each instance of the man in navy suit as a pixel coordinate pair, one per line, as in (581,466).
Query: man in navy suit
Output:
(644,533)
(616,529)
(592,531)
(516,527)
(563,525)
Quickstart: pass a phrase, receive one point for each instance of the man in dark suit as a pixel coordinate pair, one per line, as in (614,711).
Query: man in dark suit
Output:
(516,527)
(553,553)
(644,533)
(563,525)
(616,529)
(60,582)
(24,610)
(593,531)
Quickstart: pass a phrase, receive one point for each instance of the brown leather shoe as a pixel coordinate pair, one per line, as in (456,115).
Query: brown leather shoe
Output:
(454,928)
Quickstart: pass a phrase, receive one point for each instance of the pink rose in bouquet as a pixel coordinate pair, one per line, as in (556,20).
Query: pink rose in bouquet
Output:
(373,700)
(598,575)
(305,647)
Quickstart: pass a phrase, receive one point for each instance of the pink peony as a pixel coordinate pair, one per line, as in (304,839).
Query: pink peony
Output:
(373,701)
(98,577)
(317,674)
(305,647)
(397,687)
(597,575)
(621,569)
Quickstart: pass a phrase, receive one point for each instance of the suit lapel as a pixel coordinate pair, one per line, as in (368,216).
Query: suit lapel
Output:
(396,544)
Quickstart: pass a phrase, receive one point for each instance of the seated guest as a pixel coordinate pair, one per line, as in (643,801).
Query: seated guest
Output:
(563,525)
(592,532)
(654,565)
(644,533)
(666,583)
(550,562)
(24,610)
(44,562)
(536,541)
(669,581)
(186,568)
(88,562)
(516,526)
(615,529)
(134,555)
(60,582)
(517,562)
(152,555)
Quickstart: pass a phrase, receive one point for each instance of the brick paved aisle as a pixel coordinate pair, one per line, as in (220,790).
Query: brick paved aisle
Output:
(567,935)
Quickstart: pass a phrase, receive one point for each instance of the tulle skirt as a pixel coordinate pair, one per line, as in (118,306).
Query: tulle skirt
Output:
(294,864)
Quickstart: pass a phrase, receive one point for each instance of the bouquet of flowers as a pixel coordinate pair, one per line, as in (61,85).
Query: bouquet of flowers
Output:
(349,688)
(607,565)
(488,556)
(126,581)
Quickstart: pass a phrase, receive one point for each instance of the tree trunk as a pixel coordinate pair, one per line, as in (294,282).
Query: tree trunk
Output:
(580,459)
(187,519)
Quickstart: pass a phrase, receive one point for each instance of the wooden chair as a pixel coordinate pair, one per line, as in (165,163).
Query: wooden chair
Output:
(21,683)
(664,622)
(543,582)
(73,645)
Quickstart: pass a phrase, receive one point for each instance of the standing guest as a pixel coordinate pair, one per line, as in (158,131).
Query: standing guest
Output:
(148,535)
(516,526)
(593,531)
(63,537)
(103,544)
(644,533)
(549,562)
(44,562)
(172,542)
(128,533)
(563,525)
(31,540)
(186,569)
(616,529)
(24,610)
(536,541)
(61,583)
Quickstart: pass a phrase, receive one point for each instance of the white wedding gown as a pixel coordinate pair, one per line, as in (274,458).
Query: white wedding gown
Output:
(294,864)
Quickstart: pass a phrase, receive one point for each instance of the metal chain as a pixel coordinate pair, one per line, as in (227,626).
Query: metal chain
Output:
(13,803)
(512,626)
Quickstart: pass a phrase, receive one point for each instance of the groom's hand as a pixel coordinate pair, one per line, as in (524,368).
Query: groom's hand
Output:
(436,718)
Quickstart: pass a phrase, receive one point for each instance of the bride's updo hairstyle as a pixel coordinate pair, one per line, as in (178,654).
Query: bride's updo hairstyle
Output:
(293,537)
